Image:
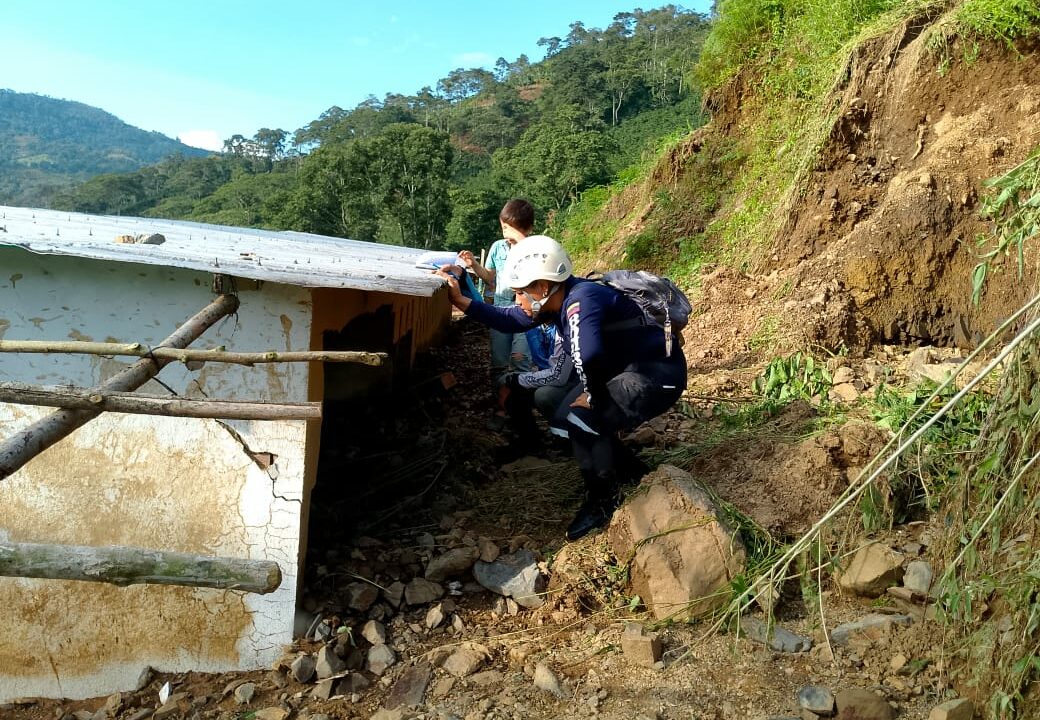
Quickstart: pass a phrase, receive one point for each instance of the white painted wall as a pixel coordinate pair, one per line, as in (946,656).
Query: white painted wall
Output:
(162,483)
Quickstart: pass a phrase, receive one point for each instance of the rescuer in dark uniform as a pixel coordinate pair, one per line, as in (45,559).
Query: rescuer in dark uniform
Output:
(629,371)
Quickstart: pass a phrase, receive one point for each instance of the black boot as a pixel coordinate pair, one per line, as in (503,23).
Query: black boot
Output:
(592,515)
(601,500)
(630,468)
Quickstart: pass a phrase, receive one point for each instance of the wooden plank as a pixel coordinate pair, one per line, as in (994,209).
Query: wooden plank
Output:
(142,404)
(120,565)
(77,347)
(23,446)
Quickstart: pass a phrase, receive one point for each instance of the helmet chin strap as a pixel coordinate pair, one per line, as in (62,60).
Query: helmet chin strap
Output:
(536,305)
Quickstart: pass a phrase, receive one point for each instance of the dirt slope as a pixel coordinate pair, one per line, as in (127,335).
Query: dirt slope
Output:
(880,245)
(892,211)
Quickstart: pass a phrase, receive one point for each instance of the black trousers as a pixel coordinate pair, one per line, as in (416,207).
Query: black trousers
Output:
(522,402)
(642,391)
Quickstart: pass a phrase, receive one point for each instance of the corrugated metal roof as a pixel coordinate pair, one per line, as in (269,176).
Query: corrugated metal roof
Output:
(285,257)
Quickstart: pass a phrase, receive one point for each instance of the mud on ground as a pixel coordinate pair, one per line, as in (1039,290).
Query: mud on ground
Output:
(782,478)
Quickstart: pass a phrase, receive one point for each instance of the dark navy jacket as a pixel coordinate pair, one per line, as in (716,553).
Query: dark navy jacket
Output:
(602,329)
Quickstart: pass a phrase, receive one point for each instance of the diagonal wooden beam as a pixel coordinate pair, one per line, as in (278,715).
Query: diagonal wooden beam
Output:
(23,446)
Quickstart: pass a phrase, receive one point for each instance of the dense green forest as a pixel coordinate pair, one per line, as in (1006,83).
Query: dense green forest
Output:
(432,169)
(48,144)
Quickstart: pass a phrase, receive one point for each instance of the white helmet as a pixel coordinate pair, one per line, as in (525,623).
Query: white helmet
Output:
(538,257)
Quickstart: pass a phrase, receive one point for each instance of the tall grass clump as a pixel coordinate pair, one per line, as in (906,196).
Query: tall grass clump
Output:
(991,587)
(1013,203)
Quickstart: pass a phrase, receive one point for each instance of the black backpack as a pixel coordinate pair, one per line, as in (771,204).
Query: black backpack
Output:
(662,302)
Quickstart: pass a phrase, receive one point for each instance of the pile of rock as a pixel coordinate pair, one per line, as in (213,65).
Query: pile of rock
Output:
(850,381)
(850,704)
(406,597)
(877,569)
(815,701)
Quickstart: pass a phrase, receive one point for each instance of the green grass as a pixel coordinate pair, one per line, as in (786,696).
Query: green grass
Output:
(1008,21)
(916,484)
(581,227)
(795,38)
(974,22)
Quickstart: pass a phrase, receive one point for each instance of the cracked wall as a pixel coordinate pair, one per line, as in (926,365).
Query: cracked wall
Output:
(234,488)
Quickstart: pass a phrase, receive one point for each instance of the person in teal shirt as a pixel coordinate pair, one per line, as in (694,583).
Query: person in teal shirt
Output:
(510,352)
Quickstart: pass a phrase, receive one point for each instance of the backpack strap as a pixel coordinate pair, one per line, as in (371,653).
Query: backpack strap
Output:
(629,324)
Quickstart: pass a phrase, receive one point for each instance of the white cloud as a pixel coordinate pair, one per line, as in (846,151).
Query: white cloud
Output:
(205,139)
(472,60)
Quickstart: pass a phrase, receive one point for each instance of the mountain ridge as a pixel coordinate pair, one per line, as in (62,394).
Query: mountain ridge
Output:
(49,144)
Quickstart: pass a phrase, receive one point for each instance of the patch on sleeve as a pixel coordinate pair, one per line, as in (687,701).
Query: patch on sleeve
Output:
(573,309)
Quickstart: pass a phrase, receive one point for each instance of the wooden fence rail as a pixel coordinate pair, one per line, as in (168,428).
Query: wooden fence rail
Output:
(23,446)
(119,565)
(143,404)
(167,352)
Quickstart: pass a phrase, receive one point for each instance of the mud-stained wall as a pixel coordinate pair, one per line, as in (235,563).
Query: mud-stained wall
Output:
(162,483)
(399,324)
(421,317)
(417,320)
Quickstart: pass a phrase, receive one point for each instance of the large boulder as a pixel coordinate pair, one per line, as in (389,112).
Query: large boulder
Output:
(681,551)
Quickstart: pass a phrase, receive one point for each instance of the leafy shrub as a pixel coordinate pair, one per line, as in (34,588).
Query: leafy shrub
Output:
(797,376)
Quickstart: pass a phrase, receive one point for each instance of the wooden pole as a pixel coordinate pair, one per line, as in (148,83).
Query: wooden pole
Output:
(141,404)
(189,354)
(23,446)
(118,565)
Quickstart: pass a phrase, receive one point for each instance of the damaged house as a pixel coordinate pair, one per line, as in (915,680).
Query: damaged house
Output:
(178,478)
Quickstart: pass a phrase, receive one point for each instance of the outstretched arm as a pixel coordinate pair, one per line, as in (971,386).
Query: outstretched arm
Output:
(454,291)
(511,319)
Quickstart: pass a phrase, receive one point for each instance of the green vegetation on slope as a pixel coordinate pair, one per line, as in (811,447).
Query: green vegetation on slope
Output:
(47,144)
(973,469)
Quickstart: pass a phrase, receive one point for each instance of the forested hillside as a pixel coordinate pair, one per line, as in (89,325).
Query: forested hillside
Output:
(432,169)
(48,144)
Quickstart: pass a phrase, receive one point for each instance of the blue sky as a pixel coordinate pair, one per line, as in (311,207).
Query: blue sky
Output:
(203,71)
